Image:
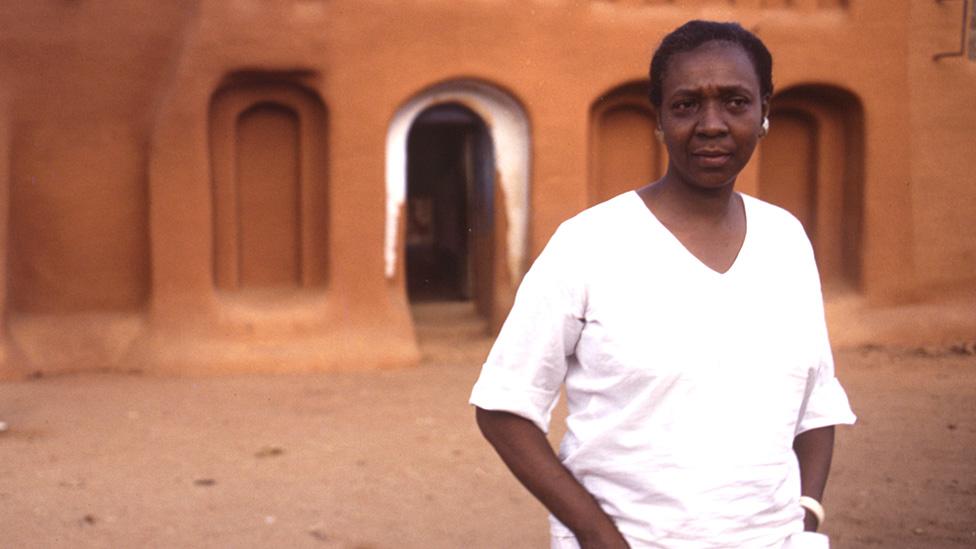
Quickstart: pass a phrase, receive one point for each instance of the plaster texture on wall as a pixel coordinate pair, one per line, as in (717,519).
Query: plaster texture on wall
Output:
(298,234)
(812,165)
(971,45)
(4,217)
(195,327)
(509,129)
(624,154)
(943,138)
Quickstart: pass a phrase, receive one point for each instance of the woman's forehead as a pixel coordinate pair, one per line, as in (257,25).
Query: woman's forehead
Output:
(713,65)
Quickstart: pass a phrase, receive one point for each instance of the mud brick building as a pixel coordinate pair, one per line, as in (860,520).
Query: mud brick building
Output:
(198,186)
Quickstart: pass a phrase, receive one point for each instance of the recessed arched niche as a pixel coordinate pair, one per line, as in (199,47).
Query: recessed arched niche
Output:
(812,164)
(624,154)
(270,199)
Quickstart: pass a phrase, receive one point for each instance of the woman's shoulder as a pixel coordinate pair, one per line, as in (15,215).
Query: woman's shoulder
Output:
(597,230)
(766,216)
(608,215)
(777,231)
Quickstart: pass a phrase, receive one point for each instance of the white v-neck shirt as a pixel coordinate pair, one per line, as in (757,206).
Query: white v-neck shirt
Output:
(685,386)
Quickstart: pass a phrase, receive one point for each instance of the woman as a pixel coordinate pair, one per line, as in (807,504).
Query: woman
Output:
(686,322)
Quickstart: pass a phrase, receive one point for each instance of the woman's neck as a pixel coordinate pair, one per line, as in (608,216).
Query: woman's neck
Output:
(671,198)
(709,223)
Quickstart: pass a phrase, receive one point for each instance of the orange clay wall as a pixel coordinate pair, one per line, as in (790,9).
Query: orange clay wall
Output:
(199,186)
(942,114)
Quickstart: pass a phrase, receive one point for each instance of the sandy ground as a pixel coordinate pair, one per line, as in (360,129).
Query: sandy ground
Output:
(393,459)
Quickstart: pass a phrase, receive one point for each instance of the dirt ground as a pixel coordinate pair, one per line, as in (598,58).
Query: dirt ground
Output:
(393,459)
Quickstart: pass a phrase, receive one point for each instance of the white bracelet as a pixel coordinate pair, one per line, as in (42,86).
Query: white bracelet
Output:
(814,507)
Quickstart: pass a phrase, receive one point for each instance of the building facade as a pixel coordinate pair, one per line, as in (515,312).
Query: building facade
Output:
(200,186)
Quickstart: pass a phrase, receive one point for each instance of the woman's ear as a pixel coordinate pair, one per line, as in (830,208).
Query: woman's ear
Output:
(658,131)
(764,128)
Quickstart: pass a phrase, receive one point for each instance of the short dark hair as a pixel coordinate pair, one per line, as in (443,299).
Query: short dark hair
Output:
(695,33)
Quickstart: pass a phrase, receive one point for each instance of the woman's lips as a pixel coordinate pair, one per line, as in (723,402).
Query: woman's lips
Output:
(712,159)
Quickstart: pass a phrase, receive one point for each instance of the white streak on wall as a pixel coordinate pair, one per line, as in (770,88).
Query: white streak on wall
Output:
(509,130)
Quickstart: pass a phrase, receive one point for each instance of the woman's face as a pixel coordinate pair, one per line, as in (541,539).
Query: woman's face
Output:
(711,114)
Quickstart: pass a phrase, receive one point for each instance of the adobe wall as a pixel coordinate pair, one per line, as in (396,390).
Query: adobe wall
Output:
(943,136)
(77,262)
(122,248)
(353,316)
(4,223)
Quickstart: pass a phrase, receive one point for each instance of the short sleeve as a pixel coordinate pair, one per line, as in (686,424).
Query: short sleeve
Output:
(528,362)
(825,401)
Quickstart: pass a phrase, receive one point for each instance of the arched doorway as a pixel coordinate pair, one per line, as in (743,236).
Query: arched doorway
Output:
(450,165)
(498,243)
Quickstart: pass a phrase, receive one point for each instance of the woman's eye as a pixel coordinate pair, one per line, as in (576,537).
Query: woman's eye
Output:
(738,102)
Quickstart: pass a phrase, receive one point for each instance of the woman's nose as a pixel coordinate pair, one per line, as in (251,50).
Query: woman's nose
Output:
(711,122)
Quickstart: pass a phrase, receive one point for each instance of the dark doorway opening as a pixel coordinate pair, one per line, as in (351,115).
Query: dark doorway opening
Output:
(450,172)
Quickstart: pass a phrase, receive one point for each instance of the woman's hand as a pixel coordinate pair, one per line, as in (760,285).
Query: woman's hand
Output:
(527,453)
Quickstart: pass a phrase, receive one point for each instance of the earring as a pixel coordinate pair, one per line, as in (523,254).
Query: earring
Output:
(765,127)
(659,133)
